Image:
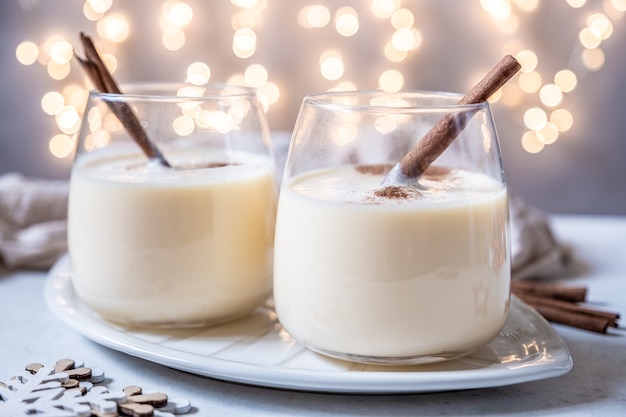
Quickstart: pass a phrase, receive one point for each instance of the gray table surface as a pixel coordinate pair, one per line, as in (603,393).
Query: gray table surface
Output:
(596,385)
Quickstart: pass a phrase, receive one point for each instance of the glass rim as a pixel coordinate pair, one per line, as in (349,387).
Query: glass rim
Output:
(134,91)
(330,100)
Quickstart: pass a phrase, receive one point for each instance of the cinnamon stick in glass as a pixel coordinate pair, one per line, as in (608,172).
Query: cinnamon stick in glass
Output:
(437,140)
(105,83)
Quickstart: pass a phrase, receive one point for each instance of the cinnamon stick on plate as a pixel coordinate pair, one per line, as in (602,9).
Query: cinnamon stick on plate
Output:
(558,291)
(562,304)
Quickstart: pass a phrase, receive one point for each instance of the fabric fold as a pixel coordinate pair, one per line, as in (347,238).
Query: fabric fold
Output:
(535,252)
(33,221)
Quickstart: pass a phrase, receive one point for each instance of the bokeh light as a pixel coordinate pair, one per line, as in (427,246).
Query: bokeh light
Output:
(100,6)
(346,21)
(402,19)
(393,54)
(566,80)
(530,82)
(52,103)
(576,3)
(562,119)
(244,43)
(173,39)
(384,8)
(527,5)
(314,16)
(268,93)
(543,94)
(500,10)
(198,73)
(593,59)
(391,81)
(535,118)
(255,75)
(527,59)
(550,95)
(406,39)
(184,125)
(331,65)
(61,146)
(548,134)
(531,143)
(26,53)
(113,27)
(180,14)
(68,119)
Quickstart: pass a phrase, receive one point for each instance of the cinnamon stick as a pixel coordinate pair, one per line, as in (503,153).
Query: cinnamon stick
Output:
(569,307)
(437,140)
(558,291)
(574,319)
(105,83)
(562,304)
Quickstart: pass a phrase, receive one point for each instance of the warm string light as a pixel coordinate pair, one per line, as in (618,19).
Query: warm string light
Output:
(543,95)
(546,119)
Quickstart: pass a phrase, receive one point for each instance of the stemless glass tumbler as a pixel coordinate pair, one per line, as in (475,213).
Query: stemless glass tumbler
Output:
(182,245)
(391,274)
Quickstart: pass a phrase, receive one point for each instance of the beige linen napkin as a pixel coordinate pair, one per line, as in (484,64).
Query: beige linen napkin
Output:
(535,253)
(33,223)
(33,229)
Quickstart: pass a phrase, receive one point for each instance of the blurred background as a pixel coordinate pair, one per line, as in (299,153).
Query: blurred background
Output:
(561,122)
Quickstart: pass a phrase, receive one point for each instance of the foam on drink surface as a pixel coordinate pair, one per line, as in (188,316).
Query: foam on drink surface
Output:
(360,185)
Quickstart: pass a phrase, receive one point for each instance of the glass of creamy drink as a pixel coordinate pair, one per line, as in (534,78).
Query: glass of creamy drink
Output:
(391,273)
(180,245)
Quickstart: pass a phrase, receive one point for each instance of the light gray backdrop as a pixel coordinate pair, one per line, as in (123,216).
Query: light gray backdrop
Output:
(584,172)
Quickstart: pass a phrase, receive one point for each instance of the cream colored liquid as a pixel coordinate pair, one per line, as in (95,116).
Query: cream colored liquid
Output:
(377,277)
(159,246)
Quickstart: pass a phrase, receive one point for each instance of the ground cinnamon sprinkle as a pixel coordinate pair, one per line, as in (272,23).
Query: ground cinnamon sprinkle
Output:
(395,192)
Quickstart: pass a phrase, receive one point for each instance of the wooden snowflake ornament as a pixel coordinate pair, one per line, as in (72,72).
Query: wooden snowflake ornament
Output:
(68,390)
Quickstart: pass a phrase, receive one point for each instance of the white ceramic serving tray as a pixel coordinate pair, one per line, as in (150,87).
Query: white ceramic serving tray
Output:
(256,350)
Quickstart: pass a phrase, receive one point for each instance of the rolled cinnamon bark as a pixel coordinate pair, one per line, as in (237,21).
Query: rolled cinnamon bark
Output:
(437,140)
(558,291)
(566,306)
(103,80)
(574,319)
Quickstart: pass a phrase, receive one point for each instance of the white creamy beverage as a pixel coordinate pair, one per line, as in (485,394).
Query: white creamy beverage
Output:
(414,274)
(153,245)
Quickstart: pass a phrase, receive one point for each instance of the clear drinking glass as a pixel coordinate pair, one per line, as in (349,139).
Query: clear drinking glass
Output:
(417,275)
(188,244)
